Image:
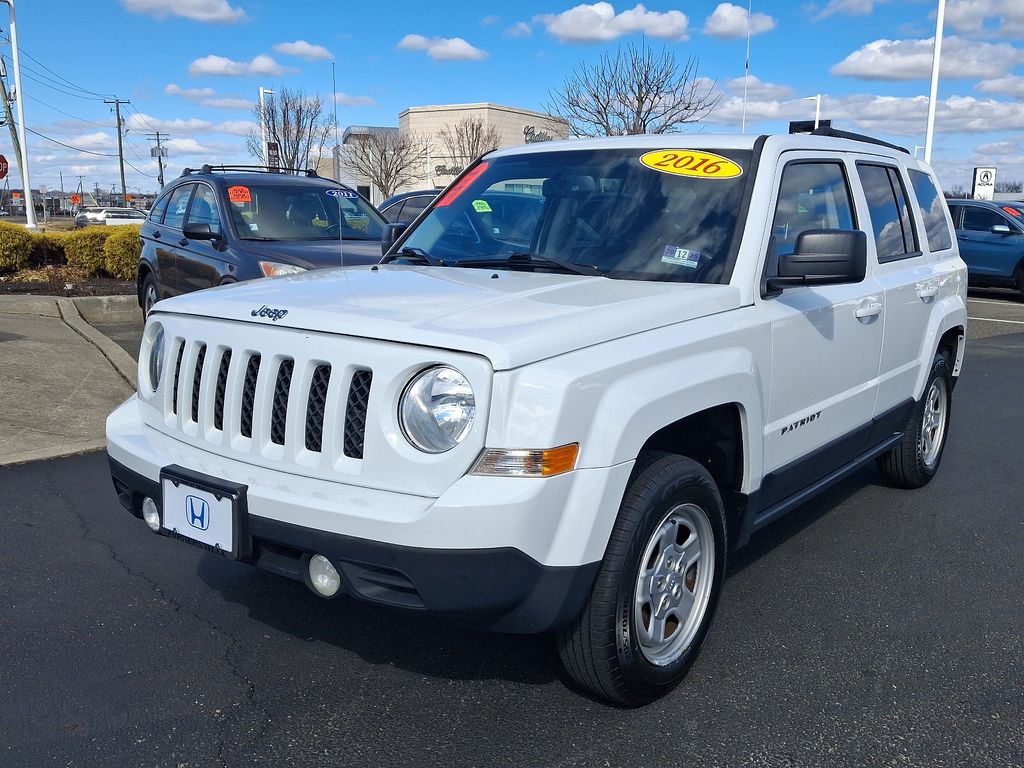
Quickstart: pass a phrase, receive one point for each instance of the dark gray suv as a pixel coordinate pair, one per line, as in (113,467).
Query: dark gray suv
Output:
(226,224)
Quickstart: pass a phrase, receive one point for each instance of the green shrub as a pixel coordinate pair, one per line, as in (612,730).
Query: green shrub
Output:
(84,248)
(15,247)
(122,251)
(47,249)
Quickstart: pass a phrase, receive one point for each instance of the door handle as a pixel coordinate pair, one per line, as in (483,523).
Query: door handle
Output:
(868,309)
(928,291)
(183,242)
(156,235)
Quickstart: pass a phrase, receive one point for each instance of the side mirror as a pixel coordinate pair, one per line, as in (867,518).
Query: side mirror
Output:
(199,231)
(1001,229)
(391,235)
(823,257)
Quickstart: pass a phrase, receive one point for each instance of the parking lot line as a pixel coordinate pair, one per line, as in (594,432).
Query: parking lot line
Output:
(993,320)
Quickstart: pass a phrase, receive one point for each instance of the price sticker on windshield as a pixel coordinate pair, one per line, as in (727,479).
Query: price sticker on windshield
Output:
(239,195)
(693,163)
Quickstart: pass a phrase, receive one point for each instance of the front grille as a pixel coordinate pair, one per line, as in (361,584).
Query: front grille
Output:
(250,394)
(252,372)
(315,407)
(279,411)
(355,413)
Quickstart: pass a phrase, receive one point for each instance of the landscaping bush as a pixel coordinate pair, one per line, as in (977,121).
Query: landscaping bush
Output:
(47,250)
(84,248)
(15,247)
(122,251)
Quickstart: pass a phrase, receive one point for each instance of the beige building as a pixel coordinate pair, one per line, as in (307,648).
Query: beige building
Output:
(513,126)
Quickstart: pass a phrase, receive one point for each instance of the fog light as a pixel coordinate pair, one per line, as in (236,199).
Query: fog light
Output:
(324,577)
(151,514)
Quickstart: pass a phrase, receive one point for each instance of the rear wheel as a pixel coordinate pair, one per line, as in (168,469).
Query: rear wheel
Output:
(150,294)
(914,462)
(657,589)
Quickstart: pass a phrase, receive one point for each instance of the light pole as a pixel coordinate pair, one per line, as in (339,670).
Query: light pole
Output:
(30,208)
(816,98)
(263,123)
(936,55)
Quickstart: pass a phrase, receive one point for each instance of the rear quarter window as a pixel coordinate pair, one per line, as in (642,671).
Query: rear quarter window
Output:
(932,206)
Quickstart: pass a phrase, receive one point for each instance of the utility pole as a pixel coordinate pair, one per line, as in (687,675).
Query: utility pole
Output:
(120,144)
(30,208)
(8,116)
(159,152)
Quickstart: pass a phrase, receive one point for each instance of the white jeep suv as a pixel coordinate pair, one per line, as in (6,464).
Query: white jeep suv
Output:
(586,372)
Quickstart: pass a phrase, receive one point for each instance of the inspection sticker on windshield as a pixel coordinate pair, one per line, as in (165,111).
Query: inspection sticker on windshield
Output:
(481,206)
(681,257)
(691,162)
(239,195)
(346,193)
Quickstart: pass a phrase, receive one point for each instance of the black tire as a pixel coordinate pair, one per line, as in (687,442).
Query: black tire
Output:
(602,649)
(149,294)
(914,462)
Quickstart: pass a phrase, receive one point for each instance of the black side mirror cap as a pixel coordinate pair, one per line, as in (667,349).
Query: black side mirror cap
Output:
(391,234)
(823,257)
(199,231)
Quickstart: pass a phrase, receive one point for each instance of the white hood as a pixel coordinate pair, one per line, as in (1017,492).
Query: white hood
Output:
(513,318)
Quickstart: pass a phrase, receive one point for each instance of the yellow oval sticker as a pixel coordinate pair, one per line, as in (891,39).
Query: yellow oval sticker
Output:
(691,162)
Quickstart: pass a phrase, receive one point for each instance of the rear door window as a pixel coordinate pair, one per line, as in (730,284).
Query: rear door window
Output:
(177,206)
(887,208)
(159,209)
(932,207)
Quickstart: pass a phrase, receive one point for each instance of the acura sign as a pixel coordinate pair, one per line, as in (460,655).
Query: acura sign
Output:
(984,183)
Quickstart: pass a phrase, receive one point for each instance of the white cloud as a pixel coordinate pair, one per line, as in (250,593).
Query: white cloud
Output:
(235,127)
(344,100)
(1011,85)
(188,93)
(986,17)
(185,147)
(95,140)
(197,10)
(219,65)
(730,22)
(487,21)
(600,23)
(759,90)
(999,148)
(520,29)
(849,8)
(304,50)
(228,102)
(142,122)
(895,60)
(442,48)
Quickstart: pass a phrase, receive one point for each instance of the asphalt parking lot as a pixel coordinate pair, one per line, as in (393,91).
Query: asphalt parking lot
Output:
(870,627)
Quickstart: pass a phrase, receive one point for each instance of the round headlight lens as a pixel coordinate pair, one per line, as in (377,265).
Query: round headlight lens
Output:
(156,357)
(437,410)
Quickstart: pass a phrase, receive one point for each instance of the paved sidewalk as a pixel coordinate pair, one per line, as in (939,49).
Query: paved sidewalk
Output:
(59,376)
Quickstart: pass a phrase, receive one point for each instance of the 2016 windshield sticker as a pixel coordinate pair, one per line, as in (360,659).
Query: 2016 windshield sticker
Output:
(692,163)
(681,257)
(239,195)
(481,206)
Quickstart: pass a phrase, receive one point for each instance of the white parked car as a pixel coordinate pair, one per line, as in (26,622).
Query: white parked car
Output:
(564,422)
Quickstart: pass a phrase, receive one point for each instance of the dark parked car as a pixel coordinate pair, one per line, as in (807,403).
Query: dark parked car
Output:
(404,207)
(224,224)
(991,238)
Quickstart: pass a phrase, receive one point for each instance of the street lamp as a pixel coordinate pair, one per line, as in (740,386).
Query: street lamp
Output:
(30,208)
(816,98)
(264,92)
(936,55)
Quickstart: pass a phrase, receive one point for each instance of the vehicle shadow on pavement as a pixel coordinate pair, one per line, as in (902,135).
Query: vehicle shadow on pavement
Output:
(425,645)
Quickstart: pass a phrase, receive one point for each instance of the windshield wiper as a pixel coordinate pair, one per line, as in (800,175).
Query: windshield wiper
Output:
(415,256)
(530,259)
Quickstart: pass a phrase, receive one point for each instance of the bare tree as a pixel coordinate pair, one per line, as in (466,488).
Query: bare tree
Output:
(469,138)
(633,91)
(1009,186)
(386,158)
(296,123)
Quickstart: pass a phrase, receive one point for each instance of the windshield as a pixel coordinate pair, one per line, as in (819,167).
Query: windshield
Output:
(602,211)
(282,212)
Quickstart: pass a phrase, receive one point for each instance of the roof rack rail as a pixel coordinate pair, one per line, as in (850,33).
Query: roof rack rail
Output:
(310,172)
(838,134)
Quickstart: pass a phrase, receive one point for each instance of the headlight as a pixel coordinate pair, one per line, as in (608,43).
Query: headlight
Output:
(156,355)
(437,409)
(273,269)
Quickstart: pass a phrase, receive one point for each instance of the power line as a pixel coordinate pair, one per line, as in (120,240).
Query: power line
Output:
(77,149)
(37,100)
(59,77)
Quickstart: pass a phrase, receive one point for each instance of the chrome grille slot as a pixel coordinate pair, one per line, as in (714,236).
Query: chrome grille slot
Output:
(316,406)
(197,378)
(252,371)
(219,392)
(279,408)
(355,413)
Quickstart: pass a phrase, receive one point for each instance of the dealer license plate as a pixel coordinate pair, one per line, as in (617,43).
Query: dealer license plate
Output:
(205,516)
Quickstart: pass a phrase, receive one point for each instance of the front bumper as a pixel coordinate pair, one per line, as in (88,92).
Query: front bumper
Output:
(507,554)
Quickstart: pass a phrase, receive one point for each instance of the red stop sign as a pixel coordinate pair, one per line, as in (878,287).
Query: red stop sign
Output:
(3,167)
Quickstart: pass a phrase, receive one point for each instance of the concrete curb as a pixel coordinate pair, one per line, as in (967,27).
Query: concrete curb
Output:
(107,308)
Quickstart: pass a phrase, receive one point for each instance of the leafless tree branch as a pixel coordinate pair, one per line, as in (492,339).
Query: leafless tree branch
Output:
(468,139)
(388,159)
(297,123)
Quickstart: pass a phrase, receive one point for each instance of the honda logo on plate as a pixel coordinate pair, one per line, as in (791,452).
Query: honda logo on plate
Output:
(197,512)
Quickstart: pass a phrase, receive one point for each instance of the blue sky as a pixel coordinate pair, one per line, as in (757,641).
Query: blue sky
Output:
(192,69)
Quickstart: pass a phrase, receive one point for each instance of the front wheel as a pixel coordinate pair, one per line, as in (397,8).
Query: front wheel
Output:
(915,460)
(657,589)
